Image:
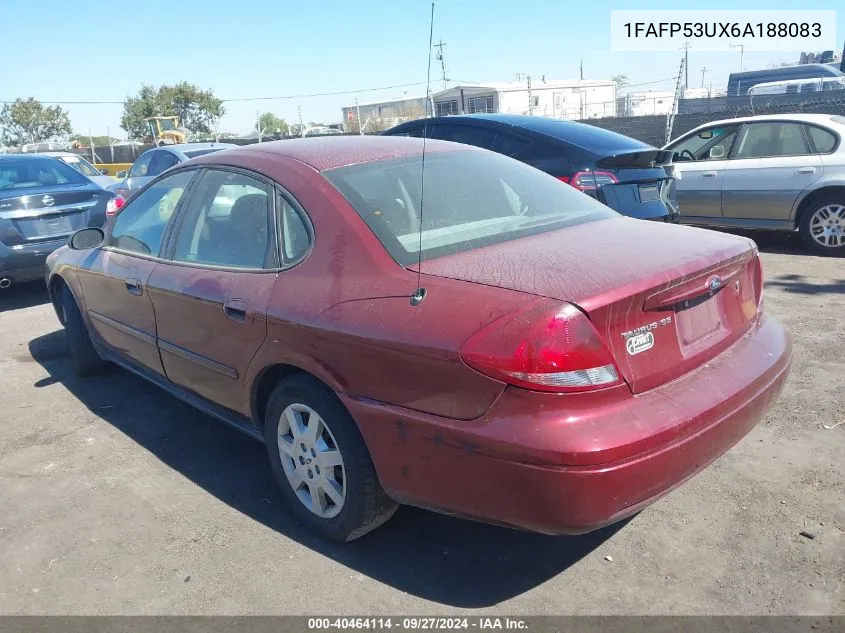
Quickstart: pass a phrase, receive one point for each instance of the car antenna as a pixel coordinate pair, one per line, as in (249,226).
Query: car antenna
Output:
(419,294)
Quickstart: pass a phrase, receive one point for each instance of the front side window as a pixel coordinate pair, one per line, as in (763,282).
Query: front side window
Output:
(227,223)
(139,227)
(141,166)
(710,144)
(472,199)
(161,162)
(770,139)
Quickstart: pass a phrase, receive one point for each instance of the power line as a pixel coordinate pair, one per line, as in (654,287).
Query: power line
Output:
(240,99)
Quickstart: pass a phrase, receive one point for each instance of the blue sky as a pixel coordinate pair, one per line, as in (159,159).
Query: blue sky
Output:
(266,48)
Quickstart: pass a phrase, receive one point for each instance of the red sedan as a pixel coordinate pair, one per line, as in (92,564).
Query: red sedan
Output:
(451,329)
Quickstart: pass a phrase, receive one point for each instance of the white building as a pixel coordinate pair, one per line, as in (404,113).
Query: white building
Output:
(645,103)
(566,99)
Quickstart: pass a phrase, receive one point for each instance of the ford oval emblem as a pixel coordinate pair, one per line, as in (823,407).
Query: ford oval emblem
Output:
(715,284)
(47,201)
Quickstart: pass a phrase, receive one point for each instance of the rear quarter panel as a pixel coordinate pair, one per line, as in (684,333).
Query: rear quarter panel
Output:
(344,315)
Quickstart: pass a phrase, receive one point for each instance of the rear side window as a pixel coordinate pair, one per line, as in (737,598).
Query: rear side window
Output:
(823,141)
(472,199)
(467,134)
(509,145)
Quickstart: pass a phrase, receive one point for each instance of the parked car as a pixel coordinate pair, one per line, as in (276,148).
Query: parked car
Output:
(42,201)
(475,336)
(781,172)
(625,174)
(97,176)
(155,161)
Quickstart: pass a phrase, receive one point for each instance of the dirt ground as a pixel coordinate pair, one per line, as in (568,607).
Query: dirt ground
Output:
(117,499)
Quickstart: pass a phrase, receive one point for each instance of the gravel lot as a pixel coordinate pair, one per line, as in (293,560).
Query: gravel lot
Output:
(117,499)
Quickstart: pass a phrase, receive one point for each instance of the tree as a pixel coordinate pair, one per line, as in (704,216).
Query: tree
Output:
(27,121)
(620,81)
(269,124)
(198,110)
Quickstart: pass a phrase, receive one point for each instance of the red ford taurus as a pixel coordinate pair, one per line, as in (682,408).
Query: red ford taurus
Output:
(459,332)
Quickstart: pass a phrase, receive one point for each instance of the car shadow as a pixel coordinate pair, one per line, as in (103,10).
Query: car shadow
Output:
(439,558)
(25,295)
(799,284)
(777,242)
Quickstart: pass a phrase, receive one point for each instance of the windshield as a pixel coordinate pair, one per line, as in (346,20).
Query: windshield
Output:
(37,172)
(166,124)
(471,199)
(81,165)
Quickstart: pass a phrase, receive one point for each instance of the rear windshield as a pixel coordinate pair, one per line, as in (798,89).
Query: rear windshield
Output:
(471,199)
(37,172)
(199,152)
(82,166)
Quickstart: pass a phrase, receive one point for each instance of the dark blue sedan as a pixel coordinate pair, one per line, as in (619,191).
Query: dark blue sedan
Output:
(625,174)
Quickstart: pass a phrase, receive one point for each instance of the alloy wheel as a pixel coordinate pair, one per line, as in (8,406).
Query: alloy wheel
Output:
(827,226)
(312,461)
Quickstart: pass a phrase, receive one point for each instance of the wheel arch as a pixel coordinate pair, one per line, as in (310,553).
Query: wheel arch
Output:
(266,380)
(54,290)
(805,203)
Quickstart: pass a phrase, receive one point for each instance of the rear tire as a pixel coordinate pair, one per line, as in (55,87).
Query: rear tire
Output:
(822,225)
(321,462)
(83,356)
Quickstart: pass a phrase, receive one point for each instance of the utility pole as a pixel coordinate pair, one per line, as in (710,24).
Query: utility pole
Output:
(741,48)
(530,101)
(703,70)
(582,69)
(686,65)
(258,123)
(358,110)
(299,112)
(439,46)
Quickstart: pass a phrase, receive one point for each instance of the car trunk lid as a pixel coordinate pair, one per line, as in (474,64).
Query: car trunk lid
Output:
(666,299)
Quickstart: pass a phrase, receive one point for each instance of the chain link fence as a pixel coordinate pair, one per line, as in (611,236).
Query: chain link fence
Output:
(651,129)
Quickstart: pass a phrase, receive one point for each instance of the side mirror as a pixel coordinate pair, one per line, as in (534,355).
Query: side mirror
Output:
(84,239)
(121,174)
(104,171)
(717,152)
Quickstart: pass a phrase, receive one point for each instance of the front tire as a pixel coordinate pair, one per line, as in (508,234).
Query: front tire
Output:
(822,225)
(321,462)
(83,356)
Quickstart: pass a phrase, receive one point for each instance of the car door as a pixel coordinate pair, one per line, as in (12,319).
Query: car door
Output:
(210,296)
(139,172)
(700,158)
(771,164)
(114,277)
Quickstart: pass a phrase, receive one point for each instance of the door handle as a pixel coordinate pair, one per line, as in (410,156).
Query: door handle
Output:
(708,174)
(134,286)
(806,170)
(236,309)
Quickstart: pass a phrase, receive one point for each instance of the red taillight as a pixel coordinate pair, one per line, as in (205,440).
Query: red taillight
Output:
(589,180)
(548,346)
(114,205)
(757,276)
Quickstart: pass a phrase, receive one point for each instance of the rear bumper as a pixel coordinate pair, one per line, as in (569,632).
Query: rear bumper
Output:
(26,263)
(564,465)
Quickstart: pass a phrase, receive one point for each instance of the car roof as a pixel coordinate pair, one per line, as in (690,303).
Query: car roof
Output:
(329,152)
(572,132)
(24,156)
(800,118)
